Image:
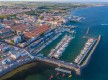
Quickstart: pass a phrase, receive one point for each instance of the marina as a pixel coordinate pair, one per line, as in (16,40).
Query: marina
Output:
(89,44)
(61,46)
(46,44)
(66,49)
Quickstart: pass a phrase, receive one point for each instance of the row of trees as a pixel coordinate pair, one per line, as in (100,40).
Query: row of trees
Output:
(7,16)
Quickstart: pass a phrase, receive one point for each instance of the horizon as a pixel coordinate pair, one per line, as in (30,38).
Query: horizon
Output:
(82,1)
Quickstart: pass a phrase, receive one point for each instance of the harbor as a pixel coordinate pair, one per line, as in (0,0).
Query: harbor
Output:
(98,62)
(67,48)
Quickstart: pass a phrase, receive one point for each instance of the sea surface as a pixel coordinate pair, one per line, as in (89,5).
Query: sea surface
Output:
(96,19)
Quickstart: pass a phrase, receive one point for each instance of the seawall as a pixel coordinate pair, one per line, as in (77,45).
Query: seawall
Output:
(85,63)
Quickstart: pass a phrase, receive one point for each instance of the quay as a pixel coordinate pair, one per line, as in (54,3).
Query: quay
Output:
(63,64)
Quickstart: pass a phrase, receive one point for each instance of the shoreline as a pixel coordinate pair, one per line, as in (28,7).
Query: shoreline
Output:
(27,65)
(18,70)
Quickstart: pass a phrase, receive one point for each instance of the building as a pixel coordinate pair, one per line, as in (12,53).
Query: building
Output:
(8,24)
(38,31)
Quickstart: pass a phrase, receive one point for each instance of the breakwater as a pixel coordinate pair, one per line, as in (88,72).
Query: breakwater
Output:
(84,64)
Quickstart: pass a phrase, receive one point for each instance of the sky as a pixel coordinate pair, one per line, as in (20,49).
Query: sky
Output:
(62,0)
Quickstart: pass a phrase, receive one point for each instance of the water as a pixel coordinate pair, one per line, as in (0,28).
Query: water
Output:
(97,68)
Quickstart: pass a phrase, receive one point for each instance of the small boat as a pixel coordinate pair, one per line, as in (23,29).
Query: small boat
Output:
(51,77)
(63,75)
(57,73)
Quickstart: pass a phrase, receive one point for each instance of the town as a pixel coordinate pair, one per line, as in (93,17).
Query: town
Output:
(26,31)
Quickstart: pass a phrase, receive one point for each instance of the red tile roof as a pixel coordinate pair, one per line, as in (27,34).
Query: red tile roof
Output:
(7,22)
(19,27)
(30,35)
(37,31)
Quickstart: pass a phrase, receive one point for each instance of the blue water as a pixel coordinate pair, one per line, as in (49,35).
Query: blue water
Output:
(98,66)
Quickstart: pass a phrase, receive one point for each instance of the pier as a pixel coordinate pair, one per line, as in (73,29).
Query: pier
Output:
(63,70)
(89,56)
(61,46)
(86,52)
(88,30)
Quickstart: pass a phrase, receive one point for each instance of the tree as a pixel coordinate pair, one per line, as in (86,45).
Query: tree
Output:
(12,41)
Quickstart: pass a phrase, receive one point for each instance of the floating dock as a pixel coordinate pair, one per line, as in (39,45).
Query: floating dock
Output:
(63,70)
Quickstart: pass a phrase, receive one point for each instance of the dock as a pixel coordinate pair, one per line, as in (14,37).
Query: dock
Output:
(63,64)
(88,30)
(91,53)
(86,53)
(63,70)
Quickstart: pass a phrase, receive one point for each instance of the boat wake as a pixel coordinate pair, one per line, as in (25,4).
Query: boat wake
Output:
(104,24)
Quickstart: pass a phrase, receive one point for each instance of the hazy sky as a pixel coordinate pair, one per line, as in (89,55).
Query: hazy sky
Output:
(62,0)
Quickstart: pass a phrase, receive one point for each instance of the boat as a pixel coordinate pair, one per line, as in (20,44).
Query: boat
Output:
(51,77)
(84,51)
(57,73)
(61,46)
(70,76)
(63,74)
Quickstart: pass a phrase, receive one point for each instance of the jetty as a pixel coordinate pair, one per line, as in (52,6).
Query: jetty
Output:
(91,53)
(63,70)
